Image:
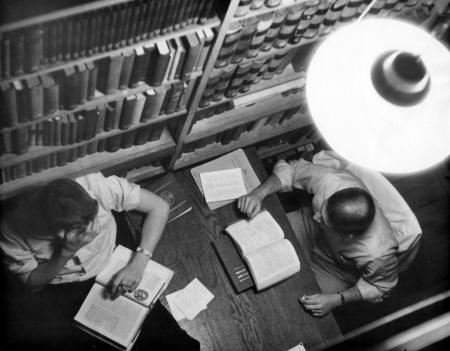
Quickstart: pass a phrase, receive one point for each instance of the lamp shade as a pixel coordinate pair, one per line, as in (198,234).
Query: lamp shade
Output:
(378,91)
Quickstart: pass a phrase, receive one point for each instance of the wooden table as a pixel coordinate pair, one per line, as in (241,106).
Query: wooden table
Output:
(269,320)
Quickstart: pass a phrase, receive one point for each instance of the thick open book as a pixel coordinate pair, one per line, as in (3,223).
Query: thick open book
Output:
(118,321)
(270,257)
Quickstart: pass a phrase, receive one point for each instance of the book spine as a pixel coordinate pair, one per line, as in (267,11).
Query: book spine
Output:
(172,104)
(65,130)
(23,109)
(142,135)
(81,126)
(17,54)
(83,83)
(115,67)
(51,94)
(5,142)
(127,68)
(118,107)
(138,107)
(156,131)
(222,84)
(192,47)
(229,45)
(109,117)
(272,33)
(33,41)
(101,118)
(90,122)
(290,24)
(127,139)
(161,57)
(36,97)
(113,143)
(92,80)
(5,66)
(127,112)
(138,73)
(92,147)
(264,23)
(20,140)
(248,32)
(238,79)
(70,86)
(56,131)
(209,90)
(81,150)
(8,106)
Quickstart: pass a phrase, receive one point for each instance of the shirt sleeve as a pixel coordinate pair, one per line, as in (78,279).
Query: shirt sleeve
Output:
(16,256)
(114,192)
(299,174)
(379,277)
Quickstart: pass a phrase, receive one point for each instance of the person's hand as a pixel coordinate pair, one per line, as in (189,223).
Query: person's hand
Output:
(320,304)
(75,239)
(126,280)
(250,204)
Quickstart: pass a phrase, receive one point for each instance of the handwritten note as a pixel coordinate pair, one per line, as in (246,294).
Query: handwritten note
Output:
(222,185)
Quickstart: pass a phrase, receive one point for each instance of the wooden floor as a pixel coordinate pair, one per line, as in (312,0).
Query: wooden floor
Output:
(427,194)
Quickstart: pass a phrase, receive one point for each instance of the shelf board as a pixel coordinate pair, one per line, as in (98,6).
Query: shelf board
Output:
(138,174)
(37,151)
(247,113)
(246,139)
(61,65)
(274,150)
(264,9)
(89,164)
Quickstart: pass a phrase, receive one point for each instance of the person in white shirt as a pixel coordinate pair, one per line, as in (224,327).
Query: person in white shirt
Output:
(358,234)
(57,238)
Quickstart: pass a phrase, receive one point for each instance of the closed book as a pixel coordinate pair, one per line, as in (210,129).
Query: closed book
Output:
(33,47)
(29,167)
(289,26)
(209,90)
(127,67)
(193,48)
(92,81)
(209,37)
(180,62)
(153,103)
(73,154)
(201,40)
(17,59)
(113,143)
(238,79)
(38,164)
(62,157)
(138,107)
(65,130)
(113,74)
(187,94)
(160,58)
(81,126)
(172,53)
(32,129)
(82,150)
(101,116)
(156,132)
(92,147)
(48,132)
(5,142)
(51,94)
(161,17)
(233,264)
(77,36)
(222,84)
(83,76)
(70,87)
(134,22)
(72,128)
(20,140)
(127,111)
(140,28)
(127,139)
(142,135)
(139,71)
(166,100)
(229,45)
(68,37)
(35,97)
(90,122)
(117,105)
(120,25)
(8,105)
(56,131)
(22,102)
(272,33)
(5,56)
(109,117)
(39,131)
(92,44)
(110,35)
(105,30)
(177,91)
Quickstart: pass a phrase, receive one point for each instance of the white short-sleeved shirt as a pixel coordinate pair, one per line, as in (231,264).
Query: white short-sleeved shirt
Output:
(23,253)
(372,259)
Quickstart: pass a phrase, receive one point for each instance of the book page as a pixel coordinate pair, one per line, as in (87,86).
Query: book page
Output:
(223,185)
(118,320)
(273,263)
(154,279)
(256,233)
(235,159)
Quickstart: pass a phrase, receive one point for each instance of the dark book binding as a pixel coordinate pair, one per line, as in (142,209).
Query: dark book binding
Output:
(233,264)
(160,58)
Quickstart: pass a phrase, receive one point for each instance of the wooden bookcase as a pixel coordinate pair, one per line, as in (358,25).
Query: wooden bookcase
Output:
(185,139)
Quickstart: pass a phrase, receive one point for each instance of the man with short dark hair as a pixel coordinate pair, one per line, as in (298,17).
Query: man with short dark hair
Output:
(58,238)
(356,242)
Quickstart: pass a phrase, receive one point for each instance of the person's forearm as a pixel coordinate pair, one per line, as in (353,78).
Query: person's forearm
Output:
(270,186)
(46,271)
(350,295)
(152,230)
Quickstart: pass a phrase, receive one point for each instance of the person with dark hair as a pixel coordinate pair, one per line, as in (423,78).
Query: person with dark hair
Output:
(357,235)
(57,238)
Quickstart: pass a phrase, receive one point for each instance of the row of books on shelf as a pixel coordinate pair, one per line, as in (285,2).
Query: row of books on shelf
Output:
(246,6)
(139,136)
(227,136)
(164,60)
(29,49)
(83,125)
(305,20)
(235,79)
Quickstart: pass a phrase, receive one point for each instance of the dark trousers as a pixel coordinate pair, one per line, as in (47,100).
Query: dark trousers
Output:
(44,320)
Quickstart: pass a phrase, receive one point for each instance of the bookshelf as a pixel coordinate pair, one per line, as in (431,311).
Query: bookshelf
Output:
(190,78)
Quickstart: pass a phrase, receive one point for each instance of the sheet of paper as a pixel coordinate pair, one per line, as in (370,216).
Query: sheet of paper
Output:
(176,312)
(193,299)
(223,185)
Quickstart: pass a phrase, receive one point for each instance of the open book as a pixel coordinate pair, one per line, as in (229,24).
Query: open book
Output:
(118,321)
(269,256)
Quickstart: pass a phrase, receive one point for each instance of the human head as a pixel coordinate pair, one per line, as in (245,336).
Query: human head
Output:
(65,205)
(349,211)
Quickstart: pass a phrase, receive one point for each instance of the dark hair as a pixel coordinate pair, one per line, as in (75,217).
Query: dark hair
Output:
(64,204)
(350,211)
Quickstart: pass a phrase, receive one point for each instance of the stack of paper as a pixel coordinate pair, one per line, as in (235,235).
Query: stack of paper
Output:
(190,301)
(223,185)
